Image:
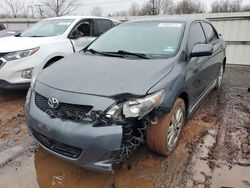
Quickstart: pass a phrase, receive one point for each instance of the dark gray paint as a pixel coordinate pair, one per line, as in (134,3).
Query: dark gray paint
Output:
(106,76)
(95,80)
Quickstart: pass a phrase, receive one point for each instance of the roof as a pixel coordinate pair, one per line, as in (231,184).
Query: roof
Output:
(81,17)
(181,18)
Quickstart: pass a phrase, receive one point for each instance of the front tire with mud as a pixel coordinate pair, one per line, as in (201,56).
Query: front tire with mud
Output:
(164,136)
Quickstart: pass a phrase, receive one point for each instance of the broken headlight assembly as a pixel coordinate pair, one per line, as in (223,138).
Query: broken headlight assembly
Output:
(20,54)
(135,108)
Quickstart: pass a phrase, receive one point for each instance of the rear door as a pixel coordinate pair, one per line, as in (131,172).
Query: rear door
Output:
(217,57)
(197,75)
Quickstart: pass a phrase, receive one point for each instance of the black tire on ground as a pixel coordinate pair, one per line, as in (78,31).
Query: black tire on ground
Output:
(158,135)
(220,77)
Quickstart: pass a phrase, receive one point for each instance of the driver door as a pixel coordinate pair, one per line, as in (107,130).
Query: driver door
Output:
(82,35)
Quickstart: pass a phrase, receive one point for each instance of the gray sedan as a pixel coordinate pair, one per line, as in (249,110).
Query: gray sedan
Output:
(135,84)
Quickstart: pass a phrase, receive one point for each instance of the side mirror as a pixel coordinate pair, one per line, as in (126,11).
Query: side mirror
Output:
(200,50)
(76,34)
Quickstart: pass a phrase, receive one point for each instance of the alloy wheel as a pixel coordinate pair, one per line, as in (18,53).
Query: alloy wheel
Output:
(174,129)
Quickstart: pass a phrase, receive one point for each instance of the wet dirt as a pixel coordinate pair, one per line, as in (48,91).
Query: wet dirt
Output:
(214,150)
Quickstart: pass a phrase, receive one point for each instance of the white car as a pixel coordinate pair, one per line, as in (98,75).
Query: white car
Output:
(24,55)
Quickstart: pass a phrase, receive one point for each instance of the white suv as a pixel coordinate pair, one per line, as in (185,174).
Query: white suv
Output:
(24,55)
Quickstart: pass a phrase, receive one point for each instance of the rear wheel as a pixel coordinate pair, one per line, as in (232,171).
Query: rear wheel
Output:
(164,136)
(220,77)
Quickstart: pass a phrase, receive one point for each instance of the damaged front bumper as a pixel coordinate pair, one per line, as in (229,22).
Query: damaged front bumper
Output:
(93,147)
(95,144)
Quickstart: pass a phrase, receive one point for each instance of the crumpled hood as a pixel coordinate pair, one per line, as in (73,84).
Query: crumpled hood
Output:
(105,76)
(12,43)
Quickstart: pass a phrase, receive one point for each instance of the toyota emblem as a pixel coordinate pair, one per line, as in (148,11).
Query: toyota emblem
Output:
(53,102)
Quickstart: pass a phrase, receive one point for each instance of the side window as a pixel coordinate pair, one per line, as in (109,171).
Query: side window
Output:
(196,36)
(101,26)
(84,29)
(210,33)
(2,26)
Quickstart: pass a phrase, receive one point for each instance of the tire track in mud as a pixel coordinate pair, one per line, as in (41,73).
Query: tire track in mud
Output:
(215,162)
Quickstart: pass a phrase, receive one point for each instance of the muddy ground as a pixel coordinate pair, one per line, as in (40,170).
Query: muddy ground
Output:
(214,150)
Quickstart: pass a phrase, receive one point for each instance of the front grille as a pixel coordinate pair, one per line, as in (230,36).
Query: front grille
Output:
(64,111)
(57,147)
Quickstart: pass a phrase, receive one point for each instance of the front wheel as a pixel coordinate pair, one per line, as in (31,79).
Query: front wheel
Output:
(164,136)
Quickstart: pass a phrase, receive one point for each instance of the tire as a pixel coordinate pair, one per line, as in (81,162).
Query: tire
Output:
(220,78)
(158,135)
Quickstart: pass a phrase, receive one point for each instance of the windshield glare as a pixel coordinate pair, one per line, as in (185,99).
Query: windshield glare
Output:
(48,28)
(154,39)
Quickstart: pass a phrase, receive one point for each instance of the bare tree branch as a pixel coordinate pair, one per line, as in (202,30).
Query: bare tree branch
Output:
(134,9)
(15,8)
(51,8)
(97,11)
(188,7)
(226,6)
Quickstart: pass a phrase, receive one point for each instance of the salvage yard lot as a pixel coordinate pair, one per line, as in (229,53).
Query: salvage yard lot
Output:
(214,150)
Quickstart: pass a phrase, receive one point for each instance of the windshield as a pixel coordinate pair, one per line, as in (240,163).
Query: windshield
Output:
(48,28)
(151,38)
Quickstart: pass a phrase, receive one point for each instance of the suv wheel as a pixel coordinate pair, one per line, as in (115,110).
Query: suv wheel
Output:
(220,77)
(164,136)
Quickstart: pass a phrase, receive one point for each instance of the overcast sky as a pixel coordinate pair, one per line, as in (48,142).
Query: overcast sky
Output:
(111,6)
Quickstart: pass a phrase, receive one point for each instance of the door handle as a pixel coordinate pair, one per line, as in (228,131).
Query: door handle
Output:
(196,71)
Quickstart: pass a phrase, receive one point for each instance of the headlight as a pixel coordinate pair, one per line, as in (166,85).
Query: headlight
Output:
(20,54)
(136,107)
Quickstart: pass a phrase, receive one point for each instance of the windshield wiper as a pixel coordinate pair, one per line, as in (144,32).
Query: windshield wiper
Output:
(122,52)
(101,53)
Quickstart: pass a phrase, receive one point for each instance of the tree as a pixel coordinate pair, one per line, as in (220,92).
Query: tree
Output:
(147,8)
(97,11)
(226,6)
(188,7)
(120,13)
(164,6)
(15,8)
(157,7)
(245,8)
(134,9)
(51,8)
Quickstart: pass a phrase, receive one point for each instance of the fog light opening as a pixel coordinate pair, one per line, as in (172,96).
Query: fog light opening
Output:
(27,74)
